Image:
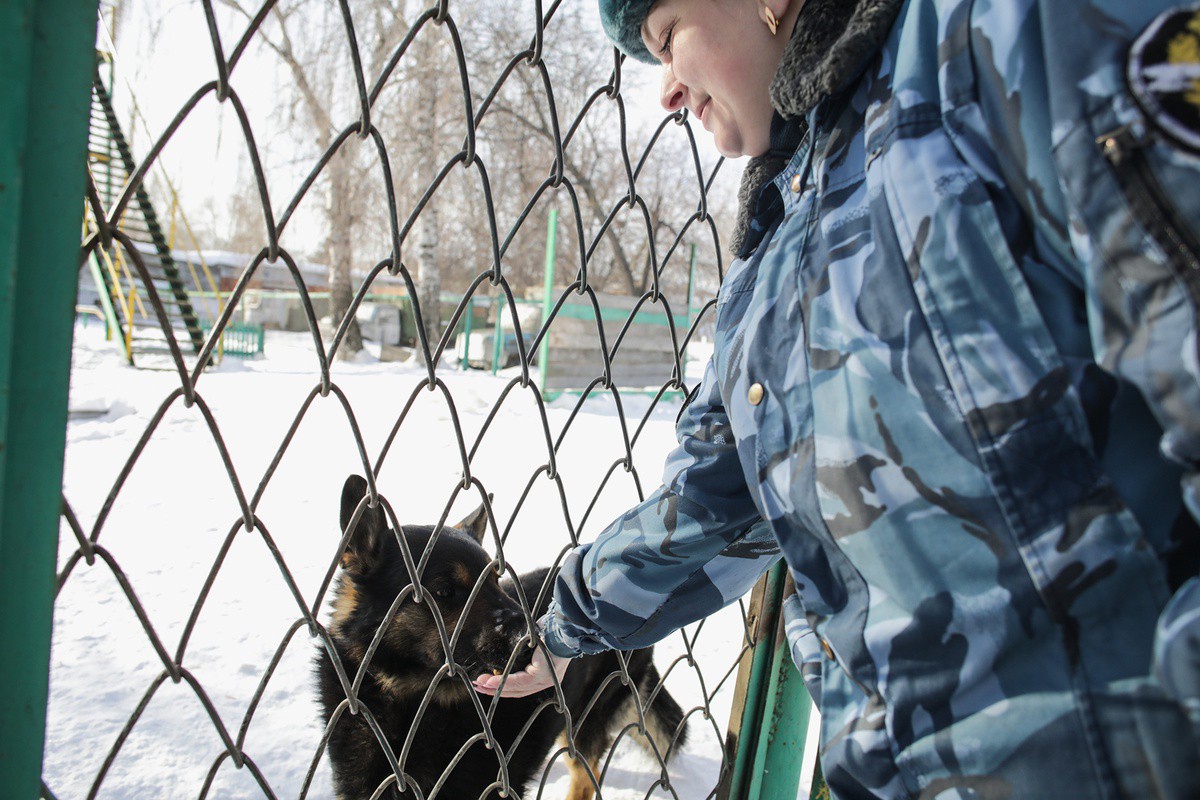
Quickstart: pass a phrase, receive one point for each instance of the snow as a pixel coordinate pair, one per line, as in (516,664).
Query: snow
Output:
(178,509)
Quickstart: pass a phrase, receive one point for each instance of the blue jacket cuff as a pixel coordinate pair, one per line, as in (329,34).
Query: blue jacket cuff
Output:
(555,637)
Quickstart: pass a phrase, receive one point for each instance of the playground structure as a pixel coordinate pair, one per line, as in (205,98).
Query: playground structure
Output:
(144,260)
(173,312)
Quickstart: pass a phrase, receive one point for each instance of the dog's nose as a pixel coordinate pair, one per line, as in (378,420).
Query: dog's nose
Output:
(508,621)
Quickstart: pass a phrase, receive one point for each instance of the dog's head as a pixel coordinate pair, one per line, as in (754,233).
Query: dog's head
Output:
(484,624)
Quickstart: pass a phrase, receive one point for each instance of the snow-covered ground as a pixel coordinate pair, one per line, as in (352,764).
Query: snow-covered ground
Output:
(177,510)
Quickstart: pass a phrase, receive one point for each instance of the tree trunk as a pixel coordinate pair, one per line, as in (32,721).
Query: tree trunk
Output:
(339,248)
(429,277)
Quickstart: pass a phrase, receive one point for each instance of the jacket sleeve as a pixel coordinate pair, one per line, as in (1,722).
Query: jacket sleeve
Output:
(693,546)
(1106,187)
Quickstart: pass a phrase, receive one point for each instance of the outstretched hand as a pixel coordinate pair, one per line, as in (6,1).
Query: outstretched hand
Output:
(539,675)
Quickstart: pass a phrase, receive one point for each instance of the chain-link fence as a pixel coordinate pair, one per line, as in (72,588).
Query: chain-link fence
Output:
(235,618)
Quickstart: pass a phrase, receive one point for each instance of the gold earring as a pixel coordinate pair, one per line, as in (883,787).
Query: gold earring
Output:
(772,22)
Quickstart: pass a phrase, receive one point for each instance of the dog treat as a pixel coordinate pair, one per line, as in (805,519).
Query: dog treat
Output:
(497,672)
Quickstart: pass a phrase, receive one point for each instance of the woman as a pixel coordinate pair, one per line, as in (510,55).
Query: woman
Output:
(955,381)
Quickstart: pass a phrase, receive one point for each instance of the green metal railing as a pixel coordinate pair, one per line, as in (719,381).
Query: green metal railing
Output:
(238,339)
(46,53)
(769,722)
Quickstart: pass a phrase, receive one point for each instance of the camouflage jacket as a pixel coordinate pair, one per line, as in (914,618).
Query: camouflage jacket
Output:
(957,384)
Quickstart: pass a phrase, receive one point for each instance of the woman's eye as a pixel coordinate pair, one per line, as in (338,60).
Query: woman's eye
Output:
(665,49)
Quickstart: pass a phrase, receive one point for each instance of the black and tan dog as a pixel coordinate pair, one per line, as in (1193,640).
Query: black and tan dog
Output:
(448,751)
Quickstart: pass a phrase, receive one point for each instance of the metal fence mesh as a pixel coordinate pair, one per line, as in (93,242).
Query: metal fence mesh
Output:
(136,519)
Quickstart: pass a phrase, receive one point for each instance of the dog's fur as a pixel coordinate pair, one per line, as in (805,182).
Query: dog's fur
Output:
(410,654)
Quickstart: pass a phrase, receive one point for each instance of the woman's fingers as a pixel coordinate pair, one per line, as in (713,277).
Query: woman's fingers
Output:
(539,675)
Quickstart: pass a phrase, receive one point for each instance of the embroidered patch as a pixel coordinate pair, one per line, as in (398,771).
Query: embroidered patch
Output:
(1164,74)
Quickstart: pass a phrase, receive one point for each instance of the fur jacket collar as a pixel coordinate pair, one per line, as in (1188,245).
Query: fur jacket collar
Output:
(830,46)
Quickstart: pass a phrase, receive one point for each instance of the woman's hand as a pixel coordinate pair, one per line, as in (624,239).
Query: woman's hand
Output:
(539,675)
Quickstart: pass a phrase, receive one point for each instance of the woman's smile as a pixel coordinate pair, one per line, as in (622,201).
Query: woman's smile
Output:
(720,50)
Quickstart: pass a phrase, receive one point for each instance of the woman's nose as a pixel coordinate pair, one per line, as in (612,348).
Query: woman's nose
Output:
(674,93)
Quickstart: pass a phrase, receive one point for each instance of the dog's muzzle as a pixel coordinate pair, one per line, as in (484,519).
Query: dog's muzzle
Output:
(508,633)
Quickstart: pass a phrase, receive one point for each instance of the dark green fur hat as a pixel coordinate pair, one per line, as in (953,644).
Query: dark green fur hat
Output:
(623,23)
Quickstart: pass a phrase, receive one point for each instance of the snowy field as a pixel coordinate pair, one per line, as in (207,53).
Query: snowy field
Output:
(178,509)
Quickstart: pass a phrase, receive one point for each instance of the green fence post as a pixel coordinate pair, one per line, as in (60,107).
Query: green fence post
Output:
(750,695)
(547,296)
(47,53)
(498,333)
(106,306)
(467,324)
(769,723)
(784,726)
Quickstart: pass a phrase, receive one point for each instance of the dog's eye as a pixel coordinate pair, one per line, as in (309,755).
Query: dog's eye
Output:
(444,592)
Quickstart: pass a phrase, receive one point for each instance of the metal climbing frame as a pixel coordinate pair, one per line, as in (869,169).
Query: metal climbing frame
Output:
(47,52)
(169,248)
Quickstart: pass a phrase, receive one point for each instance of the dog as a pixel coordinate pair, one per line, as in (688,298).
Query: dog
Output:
(407,684)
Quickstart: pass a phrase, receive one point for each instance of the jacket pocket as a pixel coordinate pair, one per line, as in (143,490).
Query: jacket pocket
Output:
(739,279)
(1132,156)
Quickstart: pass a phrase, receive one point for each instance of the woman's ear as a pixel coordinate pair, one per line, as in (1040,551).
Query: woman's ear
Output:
(770,12)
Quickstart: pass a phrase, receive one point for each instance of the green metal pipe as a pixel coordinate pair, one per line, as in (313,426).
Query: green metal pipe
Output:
(466,359)
(110,314)
(754,709)
(498,333)
(47,52)
(787,709)
(775,715)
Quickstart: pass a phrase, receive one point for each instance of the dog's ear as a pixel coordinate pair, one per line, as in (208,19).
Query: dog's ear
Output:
(362,549)
(475,524)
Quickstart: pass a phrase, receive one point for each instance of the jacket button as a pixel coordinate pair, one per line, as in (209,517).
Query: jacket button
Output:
(797,184)
(755,395)
(828,650)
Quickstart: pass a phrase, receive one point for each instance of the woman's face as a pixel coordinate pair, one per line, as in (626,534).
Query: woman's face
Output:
(718,58)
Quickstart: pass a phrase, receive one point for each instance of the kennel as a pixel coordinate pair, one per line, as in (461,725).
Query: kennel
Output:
(57,527)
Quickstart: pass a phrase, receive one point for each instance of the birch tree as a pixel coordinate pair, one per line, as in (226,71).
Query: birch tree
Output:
(429,276)
(308,41)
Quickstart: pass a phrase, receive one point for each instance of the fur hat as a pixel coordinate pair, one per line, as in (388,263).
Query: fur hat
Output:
(623,23)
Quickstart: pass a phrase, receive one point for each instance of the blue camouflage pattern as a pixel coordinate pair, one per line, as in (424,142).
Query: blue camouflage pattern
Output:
(975,335)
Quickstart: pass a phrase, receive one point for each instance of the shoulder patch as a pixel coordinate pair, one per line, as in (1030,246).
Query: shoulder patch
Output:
(1164,74)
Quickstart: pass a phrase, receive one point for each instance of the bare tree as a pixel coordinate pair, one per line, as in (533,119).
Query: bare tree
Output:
(429,276)
(521,123)
(306,42)
(418,114)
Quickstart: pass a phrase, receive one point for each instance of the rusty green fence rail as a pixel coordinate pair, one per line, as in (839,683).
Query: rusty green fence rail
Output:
(768,725)
(46,53)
